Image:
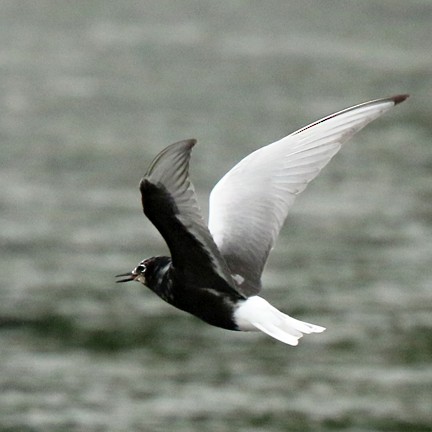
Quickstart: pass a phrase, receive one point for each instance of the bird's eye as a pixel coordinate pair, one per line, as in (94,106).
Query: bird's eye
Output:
(140,269)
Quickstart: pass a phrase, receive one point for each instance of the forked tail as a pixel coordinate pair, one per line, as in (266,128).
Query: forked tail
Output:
(256,313)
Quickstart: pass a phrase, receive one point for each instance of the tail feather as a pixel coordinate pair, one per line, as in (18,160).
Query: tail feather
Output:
(257,313)
(279,334)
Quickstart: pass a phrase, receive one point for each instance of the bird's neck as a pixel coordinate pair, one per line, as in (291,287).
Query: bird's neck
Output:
(159,280)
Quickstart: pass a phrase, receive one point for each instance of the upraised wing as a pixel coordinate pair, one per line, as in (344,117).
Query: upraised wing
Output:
(249,205)
(169,201)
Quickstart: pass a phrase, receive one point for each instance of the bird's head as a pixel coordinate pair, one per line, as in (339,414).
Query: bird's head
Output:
(148,272)
(137,274)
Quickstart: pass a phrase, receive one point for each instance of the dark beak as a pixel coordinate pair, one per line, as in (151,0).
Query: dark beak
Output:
(130,277)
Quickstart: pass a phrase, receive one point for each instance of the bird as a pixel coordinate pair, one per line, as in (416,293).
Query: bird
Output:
(214,270)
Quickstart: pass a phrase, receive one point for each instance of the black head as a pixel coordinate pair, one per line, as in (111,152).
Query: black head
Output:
(145,271)
(138,273)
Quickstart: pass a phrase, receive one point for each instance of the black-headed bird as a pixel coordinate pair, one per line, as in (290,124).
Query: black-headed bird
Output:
(214,271)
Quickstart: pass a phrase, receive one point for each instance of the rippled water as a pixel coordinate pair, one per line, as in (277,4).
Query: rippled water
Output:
(90,91)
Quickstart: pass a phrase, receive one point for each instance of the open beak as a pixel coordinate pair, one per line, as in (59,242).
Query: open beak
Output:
(129,277)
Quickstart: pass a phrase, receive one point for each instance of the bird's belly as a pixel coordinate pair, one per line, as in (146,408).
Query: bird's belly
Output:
(211,306)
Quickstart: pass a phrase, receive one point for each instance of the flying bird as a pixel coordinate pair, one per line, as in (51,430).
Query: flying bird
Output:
(214,271)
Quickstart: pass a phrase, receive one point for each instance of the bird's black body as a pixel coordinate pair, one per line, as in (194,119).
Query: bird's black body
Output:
(195,278)
(176,288)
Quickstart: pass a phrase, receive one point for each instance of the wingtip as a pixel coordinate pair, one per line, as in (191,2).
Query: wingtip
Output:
(190,142)
(399,98)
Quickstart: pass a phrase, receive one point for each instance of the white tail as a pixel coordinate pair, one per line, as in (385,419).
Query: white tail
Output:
(257,313)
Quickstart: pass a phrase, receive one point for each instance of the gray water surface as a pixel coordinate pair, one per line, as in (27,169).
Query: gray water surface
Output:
(90,92)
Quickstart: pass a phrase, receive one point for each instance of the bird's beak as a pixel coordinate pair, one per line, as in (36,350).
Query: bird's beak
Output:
(129,277)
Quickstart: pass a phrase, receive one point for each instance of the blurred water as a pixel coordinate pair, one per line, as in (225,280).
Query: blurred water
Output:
(89,93)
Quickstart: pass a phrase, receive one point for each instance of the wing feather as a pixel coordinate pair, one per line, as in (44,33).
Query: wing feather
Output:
(249,205)
(169,201)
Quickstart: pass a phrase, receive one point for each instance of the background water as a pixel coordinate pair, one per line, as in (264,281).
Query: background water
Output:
(90,91)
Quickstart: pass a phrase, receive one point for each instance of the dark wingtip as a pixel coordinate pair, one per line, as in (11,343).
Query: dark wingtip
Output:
(399,98)
(191,141)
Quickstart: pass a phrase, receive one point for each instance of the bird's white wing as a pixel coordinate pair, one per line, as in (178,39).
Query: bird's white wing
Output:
(248,206)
